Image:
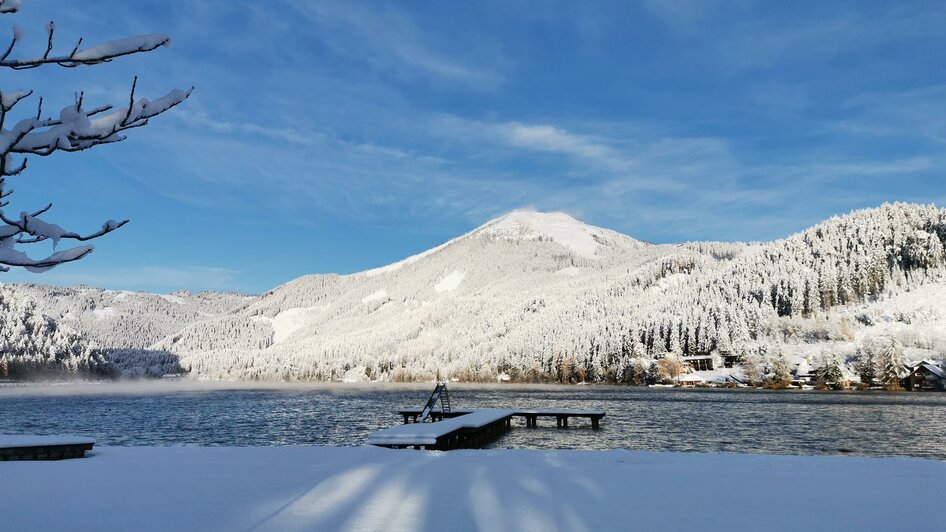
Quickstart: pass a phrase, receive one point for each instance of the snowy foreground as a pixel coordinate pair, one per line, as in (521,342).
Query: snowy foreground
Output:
(364,488)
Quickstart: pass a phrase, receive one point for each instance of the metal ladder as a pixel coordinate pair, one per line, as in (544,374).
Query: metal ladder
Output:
(439,394)
(444,399)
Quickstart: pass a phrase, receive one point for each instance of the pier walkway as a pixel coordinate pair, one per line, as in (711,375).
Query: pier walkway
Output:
(531,416)
(464,429)
(468,431)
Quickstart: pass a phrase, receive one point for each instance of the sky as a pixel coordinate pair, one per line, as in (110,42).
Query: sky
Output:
(339,136)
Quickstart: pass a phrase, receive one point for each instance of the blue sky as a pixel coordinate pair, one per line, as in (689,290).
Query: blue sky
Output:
(339,136)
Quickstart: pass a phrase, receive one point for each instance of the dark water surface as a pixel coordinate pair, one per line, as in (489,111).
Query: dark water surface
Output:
(740,421)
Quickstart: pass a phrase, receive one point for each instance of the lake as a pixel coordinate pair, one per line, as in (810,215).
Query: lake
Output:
(733,421)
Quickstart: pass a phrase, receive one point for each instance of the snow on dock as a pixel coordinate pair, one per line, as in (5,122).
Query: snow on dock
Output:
(29,447)
(531,415)
(461,432)
(465,429)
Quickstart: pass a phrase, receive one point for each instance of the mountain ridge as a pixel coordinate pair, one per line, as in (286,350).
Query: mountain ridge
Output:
(542,296)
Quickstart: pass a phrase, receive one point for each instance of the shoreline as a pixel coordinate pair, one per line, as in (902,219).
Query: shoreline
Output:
(366,488)
(184,385)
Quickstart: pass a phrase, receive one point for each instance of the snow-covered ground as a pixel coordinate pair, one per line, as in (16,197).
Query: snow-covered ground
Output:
(363,488)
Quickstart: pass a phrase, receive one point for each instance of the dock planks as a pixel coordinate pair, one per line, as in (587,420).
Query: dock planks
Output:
(28,447)
(468,431)
(531,415)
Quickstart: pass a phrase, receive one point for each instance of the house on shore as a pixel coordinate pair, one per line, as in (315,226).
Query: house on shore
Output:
(804,373)
(924,376)
(689,379)
(701,362)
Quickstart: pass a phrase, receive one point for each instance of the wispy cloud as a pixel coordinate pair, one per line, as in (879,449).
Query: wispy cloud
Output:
(812,36)
(551,139)
(915,112)
(682,15)
(391,41)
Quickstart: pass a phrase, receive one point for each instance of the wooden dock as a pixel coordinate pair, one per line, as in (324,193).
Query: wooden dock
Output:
(26,447)
(468,431)
(464,429)
(531,416)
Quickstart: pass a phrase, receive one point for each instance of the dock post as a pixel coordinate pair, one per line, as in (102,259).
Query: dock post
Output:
(595,423)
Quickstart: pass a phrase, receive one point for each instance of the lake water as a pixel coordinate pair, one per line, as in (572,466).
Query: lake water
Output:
(740,421)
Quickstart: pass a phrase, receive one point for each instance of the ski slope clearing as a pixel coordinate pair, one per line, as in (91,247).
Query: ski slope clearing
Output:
(328,488)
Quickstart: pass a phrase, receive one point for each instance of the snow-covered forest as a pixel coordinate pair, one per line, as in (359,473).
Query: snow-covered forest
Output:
(33,345)
(120,323)
(543,297)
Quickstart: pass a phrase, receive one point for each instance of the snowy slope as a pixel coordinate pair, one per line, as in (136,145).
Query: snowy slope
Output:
(121,319)
(478,296)
(545,297)
(542,296)
(33,345)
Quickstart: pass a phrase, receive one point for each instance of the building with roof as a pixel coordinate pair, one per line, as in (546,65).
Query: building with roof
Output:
(924,375)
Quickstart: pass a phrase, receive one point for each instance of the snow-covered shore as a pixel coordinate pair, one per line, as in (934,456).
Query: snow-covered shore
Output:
(364,488)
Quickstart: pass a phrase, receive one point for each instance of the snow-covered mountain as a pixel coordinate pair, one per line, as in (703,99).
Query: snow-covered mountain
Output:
(540,296)
(96,321)
(467,299)
(123,319)
(33,345)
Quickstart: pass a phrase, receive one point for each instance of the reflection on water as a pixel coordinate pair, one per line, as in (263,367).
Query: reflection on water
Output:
(638,418)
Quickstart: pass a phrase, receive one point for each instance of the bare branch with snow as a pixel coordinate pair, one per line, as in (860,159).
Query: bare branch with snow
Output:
(100,53)
(76,128)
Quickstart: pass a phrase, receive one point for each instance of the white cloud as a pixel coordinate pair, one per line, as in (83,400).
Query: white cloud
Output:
(552,139)
(389,39)
(753,43)
(916,112)
(682,15)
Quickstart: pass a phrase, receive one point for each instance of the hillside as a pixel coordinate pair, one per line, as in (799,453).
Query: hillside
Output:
(114,319)
(33,345)
(115,325)
(544,297)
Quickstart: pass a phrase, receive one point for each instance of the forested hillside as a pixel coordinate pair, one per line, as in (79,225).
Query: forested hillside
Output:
(544,297)
(35,346)
(120,319)
(112,327)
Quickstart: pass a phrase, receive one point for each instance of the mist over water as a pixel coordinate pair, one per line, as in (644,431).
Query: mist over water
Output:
(741,421)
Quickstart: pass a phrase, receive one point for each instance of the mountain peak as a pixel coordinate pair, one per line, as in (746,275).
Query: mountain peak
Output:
(579,237)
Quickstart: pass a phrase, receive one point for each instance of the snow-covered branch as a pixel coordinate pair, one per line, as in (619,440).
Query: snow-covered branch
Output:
(9,6)
(76,128)
(93,55)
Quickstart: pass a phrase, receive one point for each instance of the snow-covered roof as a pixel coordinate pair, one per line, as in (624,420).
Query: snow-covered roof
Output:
(931,367)
(803,368)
